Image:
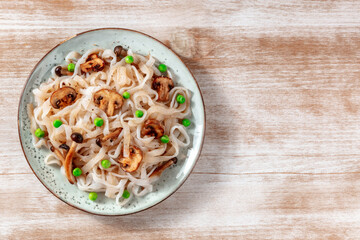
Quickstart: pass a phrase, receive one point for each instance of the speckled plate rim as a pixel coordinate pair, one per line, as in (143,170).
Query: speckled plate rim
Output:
(196,158)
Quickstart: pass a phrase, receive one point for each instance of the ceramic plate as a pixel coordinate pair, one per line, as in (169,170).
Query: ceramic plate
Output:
(51,177)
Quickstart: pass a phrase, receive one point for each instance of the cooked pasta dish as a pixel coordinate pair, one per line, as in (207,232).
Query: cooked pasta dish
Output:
(112,119)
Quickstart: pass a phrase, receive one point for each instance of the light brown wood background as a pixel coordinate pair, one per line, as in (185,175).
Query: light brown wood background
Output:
(281,84)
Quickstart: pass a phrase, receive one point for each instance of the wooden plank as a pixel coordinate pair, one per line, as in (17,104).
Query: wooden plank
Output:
(284,206)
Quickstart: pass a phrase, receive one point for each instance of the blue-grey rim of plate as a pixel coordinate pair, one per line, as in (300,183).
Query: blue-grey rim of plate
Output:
(51,177)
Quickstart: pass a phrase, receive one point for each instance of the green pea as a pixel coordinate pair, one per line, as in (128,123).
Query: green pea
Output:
(165,139)
(180,99)
(105,163)
(57,123)
(129,59)
(77,172)
(71,67)
(186,122)
(126,95)
(98,122)
(139,113)
(39,133)
(162,68)
(93,196)
(126,194)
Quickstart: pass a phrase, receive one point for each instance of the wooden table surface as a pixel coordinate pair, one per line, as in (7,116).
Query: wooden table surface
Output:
(281,85)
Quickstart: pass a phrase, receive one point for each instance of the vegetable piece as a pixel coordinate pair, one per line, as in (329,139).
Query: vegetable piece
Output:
(57,123)
(165,139)
(39,133)
(93,196)
(93,63)
(120,52)
(108,101)
(98,142)
(126,194)
(153,128)
(131,163)
(117,50)
(77,138)
(163,85)
(186,122)
(65,147)
(162,68)
(129,59)
(98,122)
(180,99)
(71,67)
(111,136)
(58,71)
(77,172)
(139,113)
(158,171)
(58,154)
(126,95)
(63,97)
(105,163)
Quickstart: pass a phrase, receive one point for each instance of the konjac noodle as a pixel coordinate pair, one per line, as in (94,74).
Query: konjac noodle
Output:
(114,120)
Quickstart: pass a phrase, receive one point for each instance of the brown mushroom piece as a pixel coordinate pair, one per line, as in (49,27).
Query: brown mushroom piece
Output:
(132,162)
(58,154)
(60,71)
(120,52)
(65,147)
(112,136)
(163,85)
(153,128)
(108,101)
(159,170)
(77,138)
(93,63)
(92,57)
(63,97)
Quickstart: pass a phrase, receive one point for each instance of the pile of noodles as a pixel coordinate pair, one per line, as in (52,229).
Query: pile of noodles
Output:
(79,117)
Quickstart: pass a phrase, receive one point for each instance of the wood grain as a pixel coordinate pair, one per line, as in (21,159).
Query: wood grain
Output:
(281,86)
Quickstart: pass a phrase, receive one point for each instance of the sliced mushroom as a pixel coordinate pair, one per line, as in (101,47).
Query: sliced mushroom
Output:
(77,138)
(163,85)
(93,63)
(112,136)
(158,171)
(92,57)
(131,163)
(153,128)
(108,101)
(63,97)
